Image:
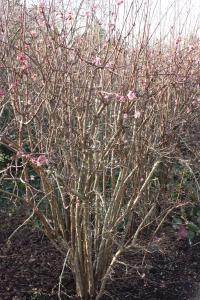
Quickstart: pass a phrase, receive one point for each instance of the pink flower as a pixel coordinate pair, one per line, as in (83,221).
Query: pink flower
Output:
(40,161)
(97,61)
(34,160)
(94,8)
(109,65)
(125,116)
(121,99)
(119,2)
(137,114)
(182,232)
(2,93)
(131,95)
(21,57)
(33,33)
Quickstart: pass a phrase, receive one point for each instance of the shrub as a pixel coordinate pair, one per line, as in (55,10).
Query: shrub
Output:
(97,116)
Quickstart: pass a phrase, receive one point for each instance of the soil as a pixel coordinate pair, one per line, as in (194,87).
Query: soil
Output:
(30,267)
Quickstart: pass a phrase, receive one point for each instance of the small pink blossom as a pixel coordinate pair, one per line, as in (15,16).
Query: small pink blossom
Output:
(34,160)
(131,95)
(2,93)
(119,2)
(121,99)
(22,58)
(109,65)
(137,114)
(40,161)
(97,61)
(125,116)
(94,8)
(33,33)
(182,232)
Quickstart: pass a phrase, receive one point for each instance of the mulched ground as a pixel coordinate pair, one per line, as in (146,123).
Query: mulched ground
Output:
(30,268)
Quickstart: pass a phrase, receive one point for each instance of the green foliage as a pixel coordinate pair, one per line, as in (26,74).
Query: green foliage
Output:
(4,158)
(182,187)
(188,218)
(182,184)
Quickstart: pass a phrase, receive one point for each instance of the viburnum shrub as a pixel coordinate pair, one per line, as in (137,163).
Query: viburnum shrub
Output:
(98,113)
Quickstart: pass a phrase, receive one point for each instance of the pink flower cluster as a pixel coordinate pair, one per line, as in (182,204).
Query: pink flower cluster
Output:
(97,61)
(131,95)
(22,58)
(137,115)
(40,161)
(33,33)
(109,65)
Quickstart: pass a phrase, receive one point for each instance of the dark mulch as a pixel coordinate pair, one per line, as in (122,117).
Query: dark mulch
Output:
(30,268)
(174,275)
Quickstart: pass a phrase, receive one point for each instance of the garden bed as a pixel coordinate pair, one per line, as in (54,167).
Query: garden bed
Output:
(30,268)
